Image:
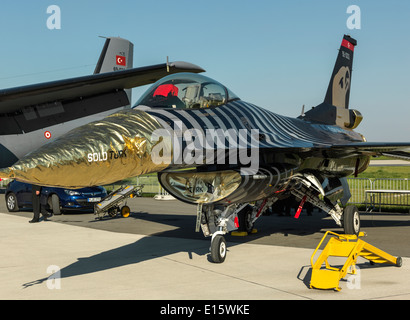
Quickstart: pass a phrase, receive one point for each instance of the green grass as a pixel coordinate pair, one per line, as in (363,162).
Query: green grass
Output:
(386,172)
(392,172)
(150,182)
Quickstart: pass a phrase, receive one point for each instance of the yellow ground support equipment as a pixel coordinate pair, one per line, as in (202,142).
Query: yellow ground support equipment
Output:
(112,204)
(349,246)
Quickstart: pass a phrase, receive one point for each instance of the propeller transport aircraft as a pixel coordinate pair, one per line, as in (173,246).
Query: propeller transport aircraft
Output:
(33,115)
(230,158)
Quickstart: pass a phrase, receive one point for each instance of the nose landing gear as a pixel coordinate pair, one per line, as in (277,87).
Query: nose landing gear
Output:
(216,221)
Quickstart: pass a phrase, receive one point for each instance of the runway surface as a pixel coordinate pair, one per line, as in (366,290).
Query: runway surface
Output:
(389,163)
(155,254)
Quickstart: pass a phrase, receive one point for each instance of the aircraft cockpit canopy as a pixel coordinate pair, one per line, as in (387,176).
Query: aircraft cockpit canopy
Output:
(186,91)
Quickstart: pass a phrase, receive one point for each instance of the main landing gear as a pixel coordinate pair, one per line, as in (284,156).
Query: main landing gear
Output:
(218,220)
(349,218)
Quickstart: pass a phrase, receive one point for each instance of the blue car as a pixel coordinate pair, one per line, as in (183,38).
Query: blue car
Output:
(56,200)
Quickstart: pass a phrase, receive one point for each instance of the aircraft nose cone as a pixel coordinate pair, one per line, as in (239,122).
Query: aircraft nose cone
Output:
(98,153)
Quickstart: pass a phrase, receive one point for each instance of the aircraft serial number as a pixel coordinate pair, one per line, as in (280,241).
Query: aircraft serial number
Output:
(225,309)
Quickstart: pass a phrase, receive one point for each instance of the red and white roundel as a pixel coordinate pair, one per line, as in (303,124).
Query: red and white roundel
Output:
(47,134)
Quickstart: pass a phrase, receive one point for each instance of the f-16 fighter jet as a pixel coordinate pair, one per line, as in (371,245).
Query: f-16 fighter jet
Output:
(230,158)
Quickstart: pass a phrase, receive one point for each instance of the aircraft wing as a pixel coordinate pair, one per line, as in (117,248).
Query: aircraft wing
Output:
(14,99)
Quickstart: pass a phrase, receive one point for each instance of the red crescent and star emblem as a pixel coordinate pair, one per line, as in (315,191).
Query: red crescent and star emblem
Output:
(120,60)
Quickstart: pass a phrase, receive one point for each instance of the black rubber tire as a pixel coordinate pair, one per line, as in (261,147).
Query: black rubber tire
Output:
(11,202)
(244,217)
(218,249)
(399,262)
(55,204)
(351,220)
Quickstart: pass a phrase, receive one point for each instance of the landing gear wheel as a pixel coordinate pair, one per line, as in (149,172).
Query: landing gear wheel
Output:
(218,249)
(351,220)
(244,217)
(125,211)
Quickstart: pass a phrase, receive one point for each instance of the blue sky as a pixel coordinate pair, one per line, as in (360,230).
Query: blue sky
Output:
(275,54)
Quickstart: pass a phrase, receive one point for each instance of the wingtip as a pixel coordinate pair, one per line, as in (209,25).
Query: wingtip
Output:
(187,66)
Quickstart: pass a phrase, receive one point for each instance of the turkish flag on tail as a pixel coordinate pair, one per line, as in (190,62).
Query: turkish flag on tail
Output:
(120,61)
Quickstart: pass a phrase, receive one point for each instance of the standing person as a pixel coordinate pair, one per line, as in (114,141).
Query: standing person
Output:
(37,207)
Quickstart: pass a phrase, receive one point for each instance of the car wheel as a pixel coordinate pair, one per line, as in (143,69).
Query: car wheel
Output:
(55,204)
(11,202)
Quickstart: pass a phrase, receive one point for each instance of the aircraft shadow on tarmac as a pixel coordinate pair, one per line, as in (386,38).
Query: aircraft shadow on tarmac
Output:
(164,243)
(142,250)
(183,226)
(156,245)
(273,224)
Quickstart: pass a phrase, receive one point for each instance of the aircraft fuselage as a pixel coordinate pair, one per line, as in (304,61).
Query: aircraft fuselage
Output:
(275,135)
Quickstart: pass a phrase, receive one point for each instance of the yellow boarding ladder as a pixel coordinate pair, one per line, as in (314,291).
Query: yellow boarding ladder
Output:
(344,245)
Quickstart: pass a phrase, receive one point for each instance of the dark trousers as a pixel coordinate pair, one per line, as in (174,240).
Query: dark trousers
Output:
(37,207)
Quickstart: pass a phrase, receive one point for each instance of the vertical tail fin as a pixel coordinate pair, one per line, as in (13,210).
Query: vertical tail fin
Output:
(117,54)
(338,92)
(335,108)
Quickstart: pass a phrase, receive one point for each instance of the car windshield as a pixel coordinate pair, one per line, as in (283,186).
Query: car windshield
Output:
(186,91)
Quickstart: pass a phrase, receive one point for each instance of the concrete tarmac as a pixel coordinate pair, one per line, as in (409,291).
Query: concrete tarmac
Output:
(74,256)
(389,163)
